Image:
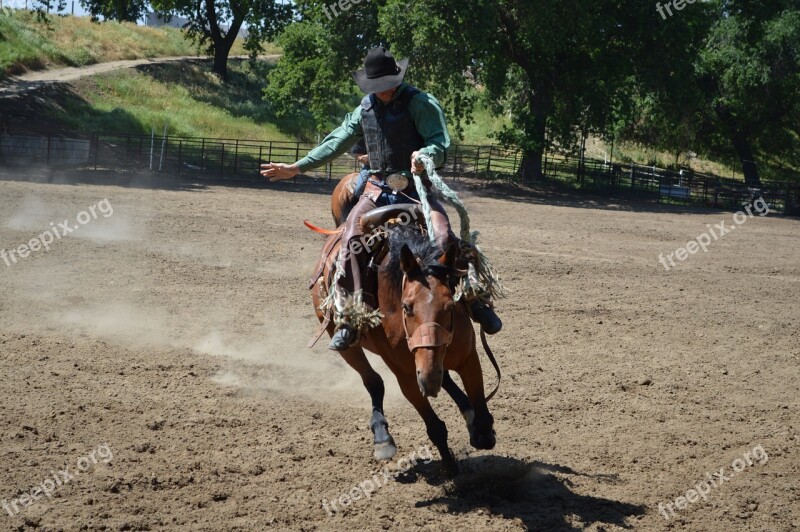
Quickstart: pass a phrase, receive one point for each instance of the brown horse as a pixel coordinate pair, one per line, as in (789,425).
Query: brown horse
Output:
(422,336)
(343,198)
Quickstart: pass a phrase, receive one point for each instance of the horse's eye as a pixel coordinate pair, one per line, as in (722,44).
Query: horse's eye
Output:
(407,309)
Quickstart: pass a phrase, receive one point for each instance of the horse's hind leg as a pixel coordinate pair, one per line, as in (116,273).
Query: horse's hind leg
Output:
(461,400)
(385,447)
(437,430)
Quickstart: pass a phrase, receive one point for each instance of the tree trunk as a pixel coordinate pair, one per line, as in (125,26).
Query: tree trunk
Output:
(221,52)
(744,150)
(222,43)
(745,153)
(535,131)
(531,166)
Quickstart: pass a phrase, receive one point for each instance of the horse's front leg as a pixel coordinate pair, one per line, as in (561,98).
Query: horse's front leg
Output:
(481,435)
(437,430)
(385,448)
(461,400)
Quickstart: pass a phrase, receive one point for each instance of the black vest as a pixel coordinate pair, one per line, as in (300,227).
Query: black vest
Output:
(390,133)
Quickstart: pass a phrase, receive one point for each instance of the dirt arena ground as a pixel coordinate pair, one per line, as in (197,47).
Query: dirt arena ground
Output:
(159,355)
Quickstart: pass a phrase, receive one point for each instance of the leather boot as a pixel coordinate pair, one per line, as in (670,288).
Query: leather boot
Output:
(343,338)
(486,317)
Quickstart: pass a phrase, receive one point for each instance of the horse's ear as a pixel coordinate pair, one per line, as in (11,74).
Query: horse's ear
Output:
(449,256)
(408,262)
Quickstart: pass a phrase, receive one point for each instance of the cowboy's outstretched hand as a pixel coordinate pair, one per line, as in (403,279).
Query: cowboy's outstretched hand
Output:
(279,171)
(416,166)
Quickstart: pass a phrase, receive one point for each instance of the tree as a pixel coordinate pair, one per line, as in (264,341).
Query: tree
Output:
(662,106)
(121,10)
(726,81)
(718,76)
(527,60)
(215,24)
(750,71)
(319,56)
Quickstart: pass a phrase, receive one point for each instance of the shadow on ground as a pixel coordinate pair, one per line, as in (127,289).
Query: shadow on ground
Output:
(45,108)
(542,496)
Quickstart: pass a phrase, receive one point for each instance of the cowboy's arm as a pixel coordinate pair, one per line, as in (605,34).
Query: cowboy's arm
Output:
(335,144)
(429,118)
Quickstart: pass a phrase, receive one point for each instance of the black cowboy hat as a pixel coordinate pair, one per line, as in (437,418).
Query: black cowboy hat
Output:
(381,72)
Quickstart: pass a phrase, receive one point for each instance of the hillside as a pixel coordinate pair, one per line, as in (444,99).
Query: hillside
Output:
(27,43)
(187,98)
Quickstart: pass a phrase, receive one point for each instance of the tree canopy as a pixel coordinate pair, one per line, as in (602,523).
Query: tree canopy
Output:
(719,76)
(214,24)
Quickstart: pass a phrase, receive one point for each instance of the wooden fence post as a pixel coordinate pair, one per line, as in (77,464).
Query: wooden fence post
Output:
(222,160)
(296,157)
(514,167)
(544,164)
(236,158)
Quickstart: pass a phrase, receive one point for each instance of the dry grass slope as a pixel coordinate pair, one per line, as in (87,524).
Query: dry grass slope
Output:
(30,44)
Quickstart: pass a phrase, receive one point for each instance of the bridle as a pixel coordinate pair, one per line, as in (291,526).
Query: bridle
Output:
(429,334)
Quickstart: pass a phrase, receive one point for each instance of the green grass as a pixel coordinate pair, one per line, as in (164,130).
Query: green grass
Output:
(27,43)
(186,97)
(483,126)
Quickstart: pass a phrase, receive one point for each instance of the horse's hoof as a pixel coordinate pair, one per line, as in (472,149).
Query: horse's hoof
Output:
(483,441)
(386,450)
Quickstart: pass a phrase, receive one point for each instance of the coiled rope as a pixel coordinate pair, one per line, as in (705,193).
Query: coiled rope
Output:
(482,280)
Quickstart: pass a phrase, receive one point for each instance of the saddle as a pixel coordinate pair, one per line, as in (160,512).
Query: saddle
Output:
(375,226)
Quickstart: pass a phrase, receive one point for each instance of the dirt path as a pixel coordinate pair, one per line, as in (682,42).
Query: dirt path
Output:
(33,80)
(168,333)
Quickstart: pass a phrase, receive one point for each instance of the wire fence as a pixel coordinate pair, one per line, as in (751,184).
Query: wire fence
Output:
(239,160)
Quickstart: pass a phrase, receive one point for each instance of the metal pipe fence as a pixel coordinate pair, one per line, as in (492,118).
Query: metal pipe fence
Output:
(238,159)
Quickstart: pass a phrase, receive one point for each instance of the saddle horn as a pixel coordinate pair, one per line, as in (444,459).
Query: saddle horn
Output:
(377,217)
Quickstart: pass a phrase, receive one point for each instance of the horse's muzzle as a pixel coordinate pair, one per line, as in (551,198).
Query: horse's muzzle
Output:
(430,383)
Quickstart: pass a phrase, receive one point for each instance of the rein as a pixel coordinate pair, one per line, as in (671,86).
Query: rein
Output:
(490,355)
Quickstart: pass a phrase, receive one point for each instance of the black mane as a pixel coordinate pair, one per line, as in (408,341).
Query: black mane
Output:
(422,248)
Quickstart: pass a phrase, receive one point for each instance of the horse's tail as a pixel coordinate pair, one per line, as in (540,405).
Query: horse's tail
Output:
(321,230)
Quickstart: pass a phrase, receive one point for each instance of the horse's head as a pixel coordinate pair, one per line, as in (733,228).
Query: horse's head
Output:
(428,314)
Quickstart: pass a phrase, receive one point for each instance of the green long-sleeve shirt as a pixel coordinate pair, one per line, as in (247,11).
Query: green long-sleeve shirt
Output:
(428,117)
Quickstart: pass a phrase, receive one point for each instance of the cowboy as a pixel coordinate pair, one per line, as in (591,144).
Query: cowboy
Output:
(398,122)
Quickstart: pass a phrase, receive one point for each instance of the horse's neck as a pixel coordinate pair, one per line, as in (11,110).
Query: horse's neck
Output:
(387,297)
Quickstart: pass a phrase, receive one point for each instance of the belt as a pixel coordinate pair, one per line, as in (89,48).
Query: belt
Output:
(397,182)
